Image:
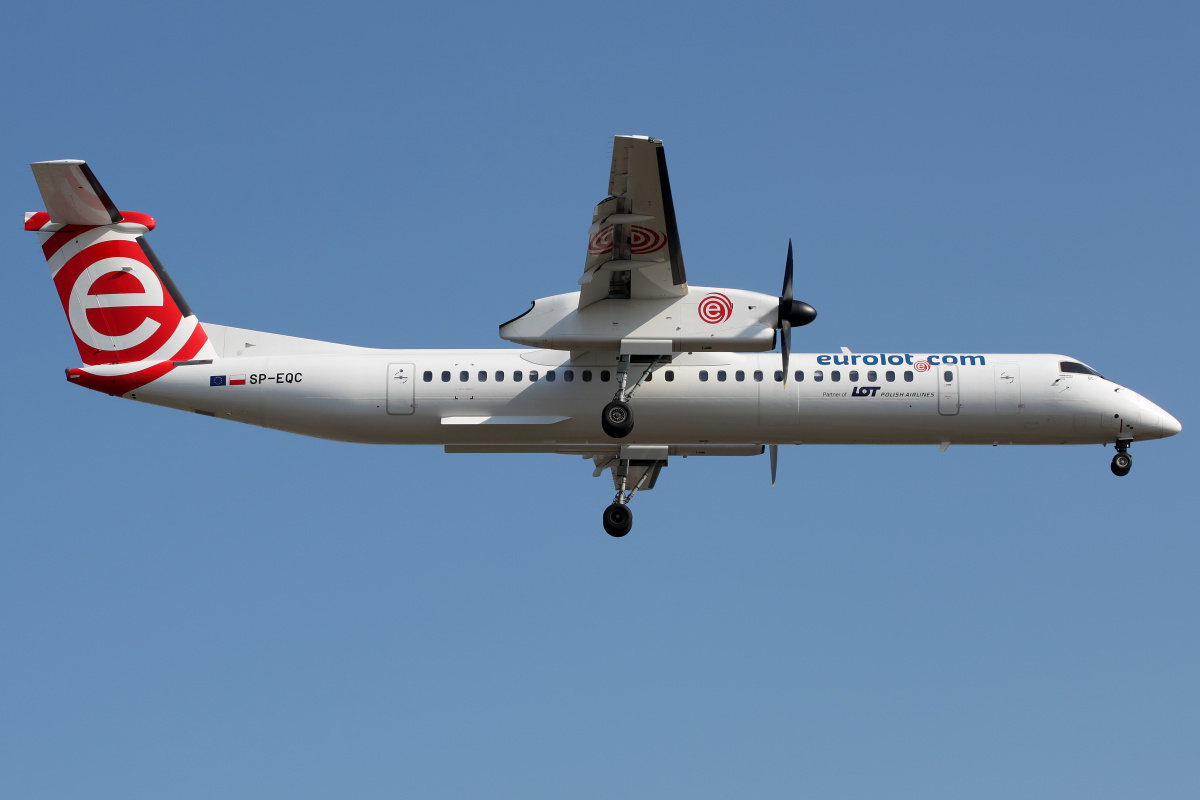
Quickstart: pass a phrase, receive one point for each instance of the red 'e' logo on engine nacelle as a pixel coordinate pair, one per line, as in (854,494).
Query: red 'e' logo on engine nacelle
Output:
(715,308)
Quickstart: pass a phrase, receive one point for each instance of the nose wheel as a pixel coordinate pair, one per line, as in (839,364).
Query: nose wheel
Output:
(1122,462)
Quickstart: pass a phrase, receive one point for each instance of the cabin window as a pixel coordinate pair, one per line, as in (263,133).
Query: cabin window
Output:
(720,374)
(703,374)
(605,376)
(483,376)
(779,376)
(587,375)
(670,375)
(533,376)
(568,375)
(890,375)
(872,376)
(818,375)
(908,375)
(517,375)
(550,376)
(445,376)
(948,376)
(428,376)
(464,376)
(854,375)
(800,376)
(1076,368)
(758,374)
(740,375)
(835,375)
(499,375)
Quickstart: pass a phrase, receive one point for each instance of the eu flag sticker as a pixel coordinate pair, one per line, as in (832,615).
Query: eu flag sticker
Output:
(216,380)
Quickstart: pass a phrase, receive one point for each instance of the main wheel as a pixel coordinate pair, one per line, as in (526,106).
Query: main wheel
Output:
(617,419)
(1121,464)
(618,520)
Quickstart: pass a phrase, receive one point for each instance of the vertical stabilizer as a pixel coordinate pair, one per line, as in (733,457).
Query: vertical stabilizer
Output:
(122,306)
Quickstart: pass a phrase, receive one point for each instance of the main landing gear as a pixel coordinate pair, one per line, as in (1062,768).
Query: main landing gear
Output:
(617,417)
(1122,462)
(618,518)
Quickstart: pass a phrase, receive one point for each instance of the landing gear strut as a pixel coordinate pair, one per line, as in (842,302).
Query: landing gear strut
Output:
(617,417)
(618,518)
(1122,462)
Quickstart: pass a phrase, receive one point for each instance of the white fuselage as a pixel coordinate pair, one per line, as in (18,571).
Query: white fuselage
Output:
(474,398)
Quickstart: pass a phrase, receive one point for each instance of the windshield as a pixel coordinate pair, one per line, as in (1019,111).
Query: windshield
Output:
(1077,368)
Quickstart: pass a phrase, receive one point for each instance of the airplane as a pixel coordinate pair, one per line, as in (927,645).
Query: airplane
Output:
(700,361)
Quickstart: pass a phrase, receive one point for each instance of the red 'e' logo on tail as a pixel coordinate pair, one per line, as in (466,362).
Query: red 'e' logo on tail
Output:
(116,305)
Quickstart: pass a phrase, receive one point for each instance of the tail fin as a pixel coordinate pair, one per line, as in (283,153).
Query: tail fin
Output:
(122,305)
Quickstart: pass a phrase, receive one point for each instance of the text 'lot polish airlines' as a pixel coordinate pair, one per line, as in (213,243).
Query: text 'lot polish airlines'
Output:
(700,361)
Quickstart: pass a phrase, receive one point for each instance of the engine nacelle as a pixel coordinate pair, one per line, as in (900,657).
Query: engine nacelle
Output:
(726,320)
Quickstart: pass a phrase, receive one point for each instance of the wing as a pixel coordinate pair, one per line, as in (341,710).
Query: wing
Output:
(630,465)
(633,244)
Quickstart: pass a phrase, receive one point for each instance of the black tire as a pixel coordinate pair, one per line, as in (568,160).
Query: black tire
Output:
(617,419)
(618,520)
(1121,464)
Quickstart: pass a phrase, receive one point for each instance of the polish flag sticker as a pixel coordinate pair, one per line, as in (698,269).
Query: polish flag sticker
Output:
(237,380)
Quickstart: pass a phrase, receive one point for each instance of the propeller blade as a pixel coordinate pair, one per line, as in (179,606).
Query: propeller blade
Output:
(774,463)
(787,275)
(785,341)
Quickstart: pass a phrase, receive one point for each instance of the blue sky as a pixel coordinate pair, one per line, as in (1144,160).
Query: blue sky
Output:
(199,609)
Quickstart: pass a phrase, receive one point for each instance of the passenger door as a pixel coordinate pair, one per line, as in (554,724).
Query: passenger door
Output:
(401,380)
(947,389)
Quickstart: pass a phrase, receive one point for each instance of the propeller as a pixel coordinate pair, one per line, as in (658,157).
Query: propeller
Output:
(792,313)
(774,463)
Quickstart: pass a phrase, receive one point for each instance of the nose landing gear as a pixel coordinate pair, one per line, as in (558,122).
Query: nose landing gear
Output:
(1122,462)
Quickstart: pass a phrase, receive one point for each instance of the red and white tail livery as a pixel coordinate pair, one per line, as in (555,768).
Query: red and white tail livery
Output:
(129,320)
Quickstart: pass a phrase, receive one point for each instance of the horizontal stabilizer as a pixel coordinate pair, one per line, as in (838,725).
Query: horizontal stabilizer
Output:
(72,194)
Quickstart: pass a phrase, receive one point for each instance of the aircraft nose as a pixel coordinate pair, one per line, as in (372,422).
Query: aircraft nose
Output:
(1170,425)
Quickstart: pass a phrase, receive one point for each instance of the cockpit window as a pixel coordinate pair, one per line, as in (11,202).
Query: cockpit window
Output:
(1077,368)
